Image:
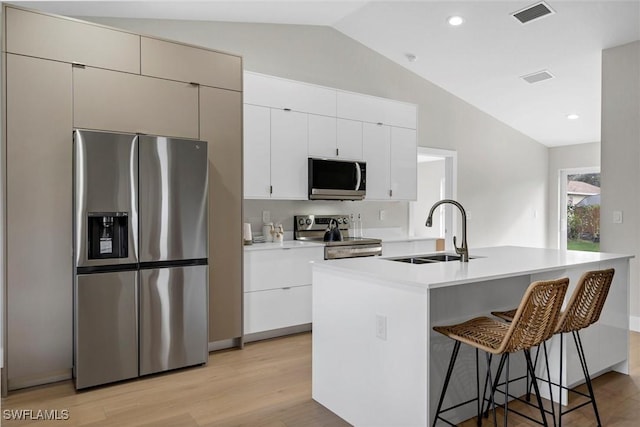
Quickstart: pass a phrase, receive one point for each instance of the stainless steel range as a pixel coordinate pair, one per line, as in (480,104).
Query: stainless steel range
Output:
(313,227)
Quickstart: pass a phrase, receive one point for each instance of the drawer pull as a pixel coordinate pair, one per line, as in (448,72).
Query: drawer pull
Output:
(287,288)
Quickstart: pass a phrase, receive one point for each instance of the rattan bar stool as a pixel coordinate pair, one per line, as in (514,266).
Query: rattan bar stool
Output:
(582,310)
(534,322)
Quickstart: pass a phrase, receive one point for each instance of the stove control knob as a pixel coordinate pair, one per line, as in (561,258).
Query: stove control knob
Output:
(345,220)
(301,221)
(308,221)
(339,220)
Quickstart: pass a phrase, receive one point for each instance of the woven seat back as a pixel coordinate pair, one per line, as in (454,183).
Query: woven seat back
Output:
(587,300)
(537,315)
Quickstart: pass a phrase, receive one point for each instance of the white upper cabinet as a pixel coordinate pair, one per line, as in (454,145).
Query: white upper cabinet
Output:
(275,153)
(287,94)
(322,136)
(257,152)
(403,164)
(371,109)
(376,148)
(349,139)
(314,121)
(289,155)
(61,39)
(335,138)
(391,156)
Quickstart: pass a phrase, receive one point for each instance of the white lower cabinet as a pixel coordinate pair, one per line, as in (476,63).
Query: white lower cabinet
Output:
(277,308)
(277,285)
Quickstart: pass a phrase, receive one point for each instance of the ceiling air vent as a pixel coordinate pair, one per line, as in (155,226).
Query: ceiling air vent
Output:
(533,12)
(538,76)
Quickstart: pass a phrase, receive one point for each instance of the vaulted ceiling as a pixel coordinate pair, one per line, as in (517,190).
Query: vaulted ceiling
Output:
(480,61)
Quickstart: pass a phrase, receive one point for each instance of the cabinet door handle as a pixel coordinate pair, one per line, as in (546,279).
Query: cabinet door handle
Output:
(337,152)
(287,288)
(194,83)
(78,64)
(287,109)
(379,123)
(390,193)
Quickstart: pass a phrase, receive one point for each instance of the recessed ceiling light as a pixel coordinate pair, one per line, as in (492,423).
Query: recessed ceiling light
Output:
(455,21)
(572,116)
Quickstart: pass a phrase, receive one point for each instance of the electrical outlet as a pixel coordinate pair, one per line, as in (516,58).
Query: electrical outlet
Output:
(617,217)
(266,216)
(381,327)
(382,214)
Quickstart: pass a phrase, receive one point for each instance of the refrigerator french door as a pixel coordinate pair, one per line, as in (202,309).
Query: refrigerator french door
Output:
(140,243)
(173,253)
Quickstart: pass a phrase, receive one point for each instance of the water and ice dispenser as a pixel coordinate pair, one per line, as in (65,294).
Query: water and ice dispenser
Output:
(108,235)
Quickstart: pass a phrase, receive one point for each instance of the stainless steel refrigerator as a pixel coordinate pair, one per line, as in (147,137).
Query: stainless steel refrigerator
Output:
(140,253)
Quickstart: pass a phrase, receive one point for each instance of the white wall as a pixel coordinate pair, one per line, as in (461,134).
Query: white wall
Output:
(502,174)
(430,174)
(566,157)
(620,170)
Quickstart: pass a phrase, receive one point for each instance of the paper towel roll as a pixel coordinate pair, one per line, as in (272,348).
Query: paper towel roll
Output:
(246,234)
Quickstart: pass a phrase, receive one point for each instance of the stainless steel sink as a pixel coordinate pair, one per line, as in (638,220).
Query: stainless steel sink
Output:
(425,259)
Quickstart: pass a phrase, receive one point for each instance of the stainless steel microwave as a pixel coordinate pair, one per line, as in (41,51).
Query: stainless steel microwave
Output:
(337,179)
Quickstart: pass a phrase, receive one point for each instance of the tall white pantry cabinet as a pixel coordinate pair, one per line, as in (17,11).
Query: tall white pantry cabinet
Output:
(287,121)
(59,74)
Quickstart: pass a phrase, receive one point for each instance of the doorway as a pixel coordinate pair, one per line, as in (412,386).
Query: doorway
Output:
(579,206)
(437,171)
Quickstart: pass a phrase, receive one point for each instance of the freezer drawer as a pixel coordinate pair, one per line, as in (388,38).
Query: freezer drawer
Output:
(106,325)
(173,318)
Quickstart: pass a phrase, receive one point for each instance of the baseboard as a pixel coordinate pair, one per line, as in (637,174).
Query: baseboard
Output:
(34,380)
(225,344)
(275,333)
(634,323)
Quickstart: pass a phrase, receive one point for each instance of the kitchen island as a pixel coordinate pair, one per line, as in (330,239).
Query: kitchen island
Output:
(376,360)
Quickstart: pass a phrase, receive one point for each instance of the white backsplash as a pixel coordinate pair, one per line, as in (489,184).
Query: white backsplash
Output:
(394,225)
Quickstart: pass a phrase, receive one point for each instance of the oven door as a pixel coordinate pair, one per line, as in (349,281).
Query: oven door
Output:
(336,179)
(338,252)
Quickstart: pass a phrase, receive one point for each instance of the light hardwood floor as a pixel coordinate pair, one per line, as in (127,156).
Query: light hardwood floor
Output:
(268,384)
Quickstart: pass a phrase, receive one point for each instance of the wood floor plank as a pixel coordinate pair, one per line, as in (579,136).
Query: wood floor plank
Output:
(268,384)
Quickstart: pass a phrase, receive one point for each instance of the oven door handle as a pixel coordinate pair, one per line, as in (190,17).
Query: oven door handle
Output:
(358,175)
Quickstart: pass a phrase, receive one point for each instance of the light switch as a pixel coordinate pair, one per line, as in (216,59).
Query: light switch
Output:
(617,217)
(266,217)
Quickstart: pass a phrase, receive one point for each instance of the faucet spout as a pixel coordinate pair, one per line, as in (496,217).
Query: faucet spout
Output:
(463,250)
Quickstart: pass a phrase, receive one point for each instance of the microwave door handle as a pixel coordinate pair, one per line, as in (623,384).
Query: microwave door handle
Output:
(358,176)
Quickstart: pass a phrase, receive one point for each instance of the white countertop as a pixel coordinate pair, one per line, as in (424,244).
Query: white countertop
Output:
(491,263)
(291,244)
(287,244)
